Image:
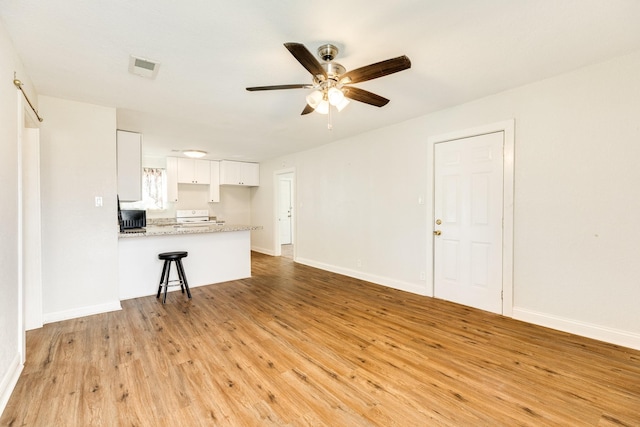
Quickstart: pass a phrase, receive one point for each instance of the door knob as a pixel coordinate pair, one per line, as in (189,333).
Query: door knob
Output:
(437,232)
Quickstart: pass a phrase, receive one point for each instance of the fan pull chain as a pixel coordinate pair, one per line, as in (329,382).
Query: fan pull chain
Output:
(329,124)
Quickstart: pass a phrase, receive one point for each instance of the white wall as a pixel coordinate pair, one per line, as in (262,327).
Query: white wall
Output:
(577,200)
(10,347)
(79,240)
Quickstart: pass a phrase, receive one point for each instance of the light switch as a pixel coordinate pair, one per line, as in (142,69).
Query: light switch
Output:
(98,202)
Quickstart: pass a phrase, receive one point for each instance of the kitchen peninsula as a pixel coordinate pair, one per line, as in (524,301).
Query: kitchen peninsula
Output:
(217,253)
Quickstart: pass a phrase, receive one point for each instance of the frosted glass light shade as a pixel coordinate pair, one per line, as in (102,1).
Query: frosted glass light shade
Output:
(314,98)
(335,96)
(194,154)
(340,106)
(323,107)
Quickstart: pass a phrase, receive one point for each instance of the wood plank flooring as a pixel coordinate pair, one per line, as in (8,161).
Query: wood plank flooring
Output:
(297,346)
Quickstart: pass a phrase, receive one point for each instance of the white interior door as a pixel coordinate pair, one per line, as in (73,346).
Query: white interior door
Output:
(468,220)
(285,210)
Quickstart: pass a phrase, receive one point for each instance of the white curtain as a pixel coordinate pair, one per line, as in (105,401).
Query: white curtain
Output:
(153,188)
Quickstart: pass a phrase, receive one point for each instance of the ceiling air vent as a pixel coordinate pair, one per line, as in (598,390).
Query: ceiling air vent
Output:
(143,67)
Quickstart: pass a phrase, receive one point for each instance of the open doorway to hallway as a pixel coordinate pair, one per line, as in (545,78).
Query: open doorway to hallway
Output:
(285,213)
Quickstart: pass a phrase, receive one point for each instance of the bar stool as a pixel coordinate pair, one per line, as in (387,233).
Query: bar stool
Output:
(166,268)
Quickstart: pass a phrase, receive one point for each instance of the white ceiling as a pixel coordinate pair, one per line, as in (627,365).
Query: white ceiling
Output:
(211,50)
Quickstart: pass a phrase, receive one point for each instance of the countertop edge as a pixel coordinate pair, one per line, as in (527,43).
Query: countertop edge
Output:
(170,230)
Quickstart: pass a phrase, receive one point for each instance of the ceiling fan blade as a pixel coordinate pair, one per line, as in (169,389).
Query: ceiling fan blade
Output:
(379,69)
(306,58)
(278,87)
(307,109)
(365,96)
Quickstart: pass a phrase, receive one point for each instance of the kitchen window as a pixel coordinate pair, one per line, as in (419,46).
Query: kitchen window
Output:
(154,188)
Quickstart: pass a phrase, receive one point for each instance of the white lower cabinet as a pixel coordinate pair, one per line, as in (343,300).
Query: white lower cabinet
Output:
(239,173)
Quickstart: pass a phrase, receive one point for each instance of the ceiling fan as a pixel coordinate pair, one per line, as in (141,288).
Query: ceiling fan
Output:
(332,83)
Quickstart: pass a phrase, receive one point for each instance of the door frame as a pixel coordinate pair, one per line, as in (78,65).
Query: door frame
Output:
(26,119)
(277,249)
(508,127)
(288,180)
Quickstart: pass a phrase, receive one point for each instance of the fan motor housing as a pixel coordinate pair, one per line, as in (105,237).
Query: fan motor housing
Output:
(334,71)
(327,52)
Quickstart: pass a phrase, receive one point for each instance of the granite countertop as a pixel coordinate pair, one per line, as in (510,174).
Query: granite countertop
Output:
(171,229)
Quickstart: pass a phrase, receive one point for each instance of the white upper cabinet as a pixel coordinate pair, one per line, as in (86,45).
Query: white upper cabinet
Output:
(193,171)
(239,173)
(198,168)
(129,163)
(214,185)
(172,179)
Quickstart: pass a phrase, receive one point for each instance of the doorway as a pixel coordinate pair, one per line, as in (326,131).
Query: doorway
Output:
(472,219)
(285,234)
(29,224)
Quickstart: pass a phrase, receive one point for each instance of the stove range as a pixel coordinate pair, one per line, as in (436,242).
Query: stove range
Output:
(193,217)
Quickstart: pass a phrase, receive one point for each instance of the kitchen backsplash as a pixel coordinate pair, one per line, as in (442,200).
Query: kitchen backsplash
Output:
(234,206)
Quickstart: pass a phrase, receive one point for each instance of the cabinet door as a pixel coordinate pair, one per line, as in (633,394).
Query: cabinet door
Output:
(185,171)
(251,174)
(201,171)
(239,173)
(214,184)
(193,171)
(172,179)
(229,172)
(129,164)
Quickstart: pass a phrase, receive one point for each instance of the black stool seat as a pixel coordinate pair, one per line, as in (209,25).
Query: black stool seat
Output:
(173,255)
(176,257)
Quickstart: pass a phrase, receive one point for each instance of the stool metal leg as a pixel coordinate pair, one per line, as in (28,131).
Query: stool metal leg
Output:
(164,271)
(183,277)
(166,282)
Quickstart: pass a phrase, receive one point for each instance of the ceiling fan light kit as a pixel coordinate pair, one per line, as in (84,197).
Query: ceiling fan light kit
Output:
(331,81)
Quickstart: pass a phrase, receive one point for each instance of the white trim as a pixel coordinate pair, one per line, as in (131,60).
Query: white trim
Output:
(589,330)
(263,250)
(81,312)
(22,331)
(378,280)
(9,381)
(508,127)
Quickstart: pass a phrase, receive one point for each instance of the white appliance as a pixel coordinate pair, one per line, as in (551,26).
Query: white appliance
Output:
(193,217)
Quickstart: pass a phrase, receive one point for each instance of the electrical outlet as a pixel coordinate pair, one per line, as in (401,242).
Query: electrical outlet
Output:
(359,262)
(98,202)
(423,275)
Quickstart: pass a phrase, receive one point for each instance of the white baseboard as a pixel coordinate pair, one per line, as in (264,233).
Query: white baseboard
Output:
(263,250)
(9,381)
(379,280)
(589,330)
(81,312)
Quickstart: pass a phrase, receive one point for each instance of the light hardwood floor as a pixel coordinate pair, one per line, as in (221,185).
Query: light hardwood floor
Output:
(298,346)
